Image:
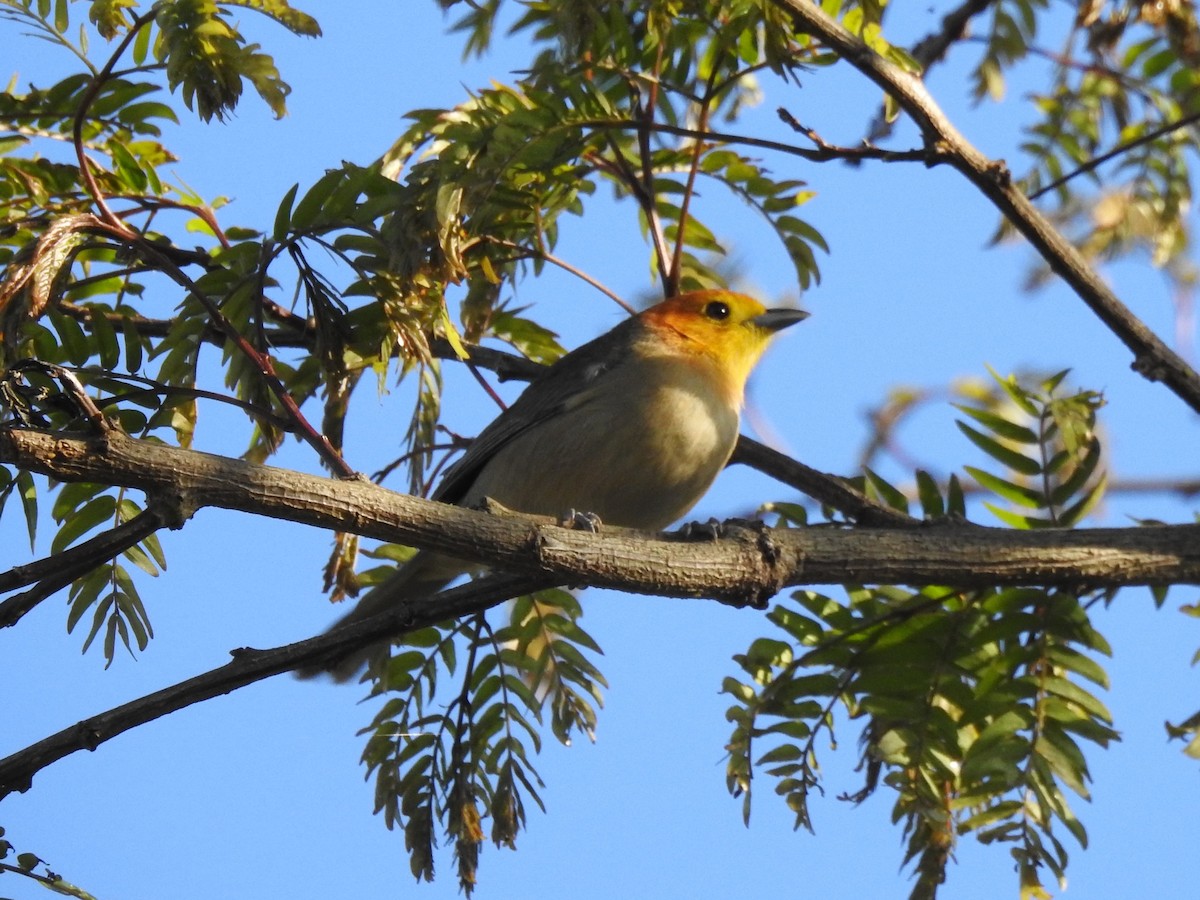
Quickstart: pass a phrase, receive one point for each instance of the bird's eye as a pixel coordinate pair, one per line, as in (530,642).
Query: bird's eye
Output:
(717,310)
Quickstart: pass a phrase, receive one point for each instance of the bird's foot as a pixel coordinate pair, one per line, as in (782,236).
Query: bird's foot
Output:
(715,529)
(712,530)
(580,521)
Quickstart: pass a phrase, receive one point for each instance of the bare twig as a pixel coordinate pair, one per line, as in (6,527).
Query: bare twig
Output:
(933,47)
(1097,161)
(645,117)
(157,388)
(864,151)
(698,146)
(261,360)
(543,254)
(823,153)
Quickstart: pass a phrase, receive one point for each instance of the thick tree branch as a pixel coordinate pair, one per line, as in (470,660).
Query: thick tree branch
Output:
(1152,358)
(747,568)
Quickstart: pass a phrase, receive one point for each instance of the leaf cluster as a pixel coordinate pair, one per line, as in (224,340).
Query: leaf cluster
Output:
(974,708)
(1123,91)
(451,768)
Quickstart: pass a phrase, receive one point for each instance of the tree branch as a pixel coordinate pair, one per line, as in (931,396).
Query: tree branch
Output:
(933,47)
(1152,358)
(821,486)
(745,567)
(1097,161)
(748,567)
(822,152)
(57,571)
(827,489)
(249,665)
(506,365)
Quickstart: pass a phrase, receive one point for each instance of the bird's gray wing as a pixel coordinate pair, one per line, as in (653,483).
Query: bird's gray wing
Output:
(564,386)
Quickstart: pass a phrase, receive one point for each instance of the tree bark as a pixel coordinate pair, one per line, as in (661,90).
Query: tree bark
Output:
(747,566)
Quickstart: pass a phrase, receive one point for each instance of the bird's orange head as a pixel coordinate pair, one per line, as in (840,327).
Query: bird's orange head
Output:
(723,330)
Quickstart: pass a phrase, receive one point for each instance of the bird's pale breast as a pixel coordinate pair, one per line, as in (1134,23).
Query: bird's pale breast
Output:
(638,451)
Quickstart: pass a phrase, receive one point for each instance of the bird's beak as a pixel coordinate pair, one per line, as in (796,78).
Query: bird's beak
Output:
(779,318)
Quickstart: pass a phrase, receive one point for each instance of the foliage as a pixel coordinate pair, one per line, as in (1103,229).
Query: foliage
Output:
(977,708)
(973,704)
(476,747)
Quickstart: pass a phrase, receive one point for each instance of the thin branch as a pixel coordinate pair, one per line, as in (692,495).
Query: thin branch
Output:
(483,383)
(50,881)
(645,118)
(933,47)
(506,365)
(543,254)
(286,336)
(864,151)
(158,388)
(821,486)
(203,213)
(827,153)
(58,570)
(1097,161)
(689,188)
(85,102)
(261,360)
(249,666)
(72,390)
(1153,359)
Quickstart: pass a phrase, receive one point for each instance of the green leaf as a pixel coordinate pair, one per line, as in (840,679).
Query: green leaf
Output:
(929,495)
(888,493)
(1005,456)
(309,208)
(292,19)
(83,520)
(106,337)
(283,215)
(28,491)
(1018,494)
(1000,426)
(1013,520)
(1084,469)
(1075,513)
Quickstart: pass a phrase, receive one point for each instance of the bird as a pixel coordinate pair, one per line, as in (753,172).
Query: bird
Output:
(629,429)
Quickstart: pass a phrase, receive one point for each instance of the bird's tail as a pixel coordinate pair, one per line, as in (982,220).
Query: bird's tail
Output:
(423,575)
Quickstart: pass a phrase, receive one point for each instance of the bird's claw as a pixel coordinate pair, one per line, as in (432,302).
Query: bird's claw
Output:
(712,530)
(580,521)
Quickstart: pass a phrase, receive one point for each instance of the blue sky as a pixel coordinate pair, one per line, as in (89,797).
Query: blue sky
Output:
(260,793)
